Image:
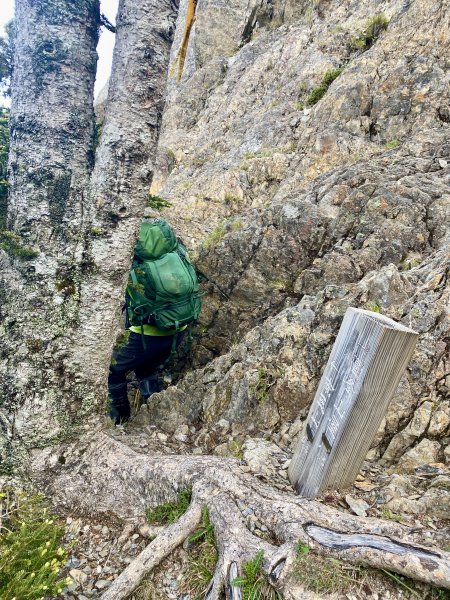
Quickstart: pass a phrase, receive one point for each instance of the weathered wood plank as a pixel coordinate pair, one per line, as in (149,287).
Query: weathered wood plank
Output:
(366,363)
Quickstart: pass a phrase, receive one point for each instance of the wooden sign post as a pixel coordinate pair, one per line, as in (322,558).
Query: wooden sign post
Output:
(366,363)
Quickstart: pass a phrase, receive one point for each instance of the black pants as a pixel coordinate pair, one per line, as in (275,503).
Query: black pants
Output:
(143,361)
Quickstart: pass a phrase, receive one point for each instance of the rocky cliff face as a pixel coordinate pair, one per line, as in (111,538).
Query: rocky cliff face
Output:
(306,155)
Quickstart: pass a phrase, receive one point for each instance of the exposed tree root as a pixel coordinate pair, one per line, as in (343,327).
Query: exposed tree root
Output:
(112,478)
(159,548)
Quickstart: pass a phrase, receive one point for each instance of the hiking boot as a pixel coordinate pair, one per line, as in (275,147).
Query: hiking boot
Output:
(147,387)
(119,411)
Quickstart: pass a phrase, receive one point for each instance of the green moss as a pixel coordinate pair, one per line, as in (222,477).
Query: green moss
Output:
(169,512)
(11,243)
(319,92)
(122,340)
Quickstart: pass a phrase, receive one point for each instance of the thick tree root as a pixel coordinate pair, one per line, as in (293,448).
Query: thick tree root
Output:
(154,553)
(123,482)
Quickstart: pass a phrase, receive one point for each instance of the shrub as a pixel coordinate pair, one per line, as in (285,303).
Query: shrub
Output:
(31,555)
(317,93)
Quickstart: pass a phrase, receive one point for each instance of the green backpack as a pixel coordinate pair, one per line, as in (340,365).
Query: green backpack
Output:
(163,287)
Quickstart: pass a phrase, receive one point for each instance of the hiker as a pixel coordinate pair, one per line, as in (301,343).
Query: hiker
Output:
(162,301)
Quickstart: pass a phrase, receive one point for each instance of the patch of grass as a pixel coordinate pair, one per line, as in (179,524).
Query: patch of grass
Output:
(31,555)
(263,153)
(323,574)
(215,236)
(392,144)
(202,559)
(255,584)
(170,154)
(318,92)
(260,388)
(169,512)
(231,198)
(157,203)
(371,32)
(11,243)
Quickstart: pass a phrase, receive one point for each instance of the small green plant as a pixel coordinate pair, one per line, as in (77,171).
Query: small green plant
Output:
(317,93)
(157,203)
(260,389)
(96,232)
(386,513)
(299,106)
(205,531)
(11,243)
(254,582)
(392,144)
(31,556)
(374,307)
(215,236)
(301,548)
(371,32)
(401,583)
(202,559)
(169,512)
(236,450)
(231,198)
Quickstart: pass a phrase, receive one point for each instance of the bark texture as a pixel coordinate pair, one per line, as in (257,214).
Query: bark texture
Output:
(60,310)
(122,482)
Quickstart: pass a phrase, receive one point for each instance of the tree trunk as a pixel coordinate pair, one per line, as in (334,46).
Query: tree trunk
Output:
(61,309)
